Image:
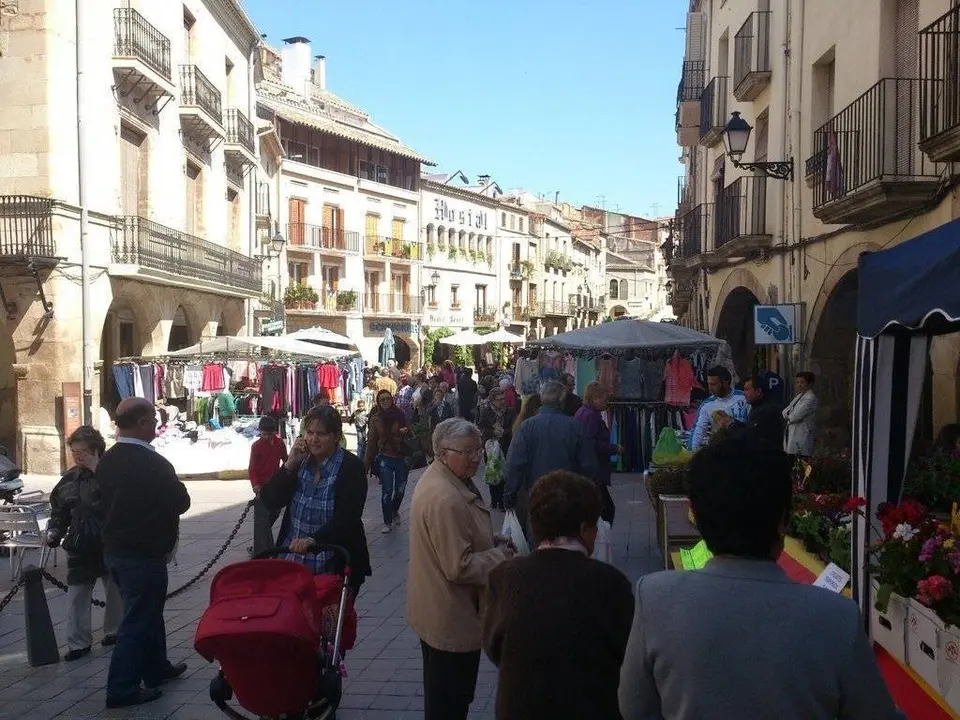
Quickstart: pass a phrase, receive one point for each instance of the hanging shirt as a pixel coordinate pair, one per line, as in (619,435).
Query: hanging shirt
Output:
(527,376)
(679,381)
(328,376)
(630,384)
(212,377)
(138,383)
(607,374)
(735,405)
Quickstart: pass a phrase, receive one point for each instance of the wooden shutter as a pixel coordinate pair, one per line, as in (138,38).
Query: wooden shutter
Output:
(372,225)
(396,229)
(295,212)
(131,143)
(696,37)
(192,198)
(328,215)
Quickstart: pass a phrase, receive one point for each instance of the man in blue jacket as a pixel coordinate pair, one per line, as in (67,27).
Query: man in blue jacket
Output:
(548,441)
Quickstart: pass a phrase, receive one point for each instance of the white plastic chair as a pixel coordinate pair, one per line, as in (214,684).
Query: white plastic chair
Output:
(22,528)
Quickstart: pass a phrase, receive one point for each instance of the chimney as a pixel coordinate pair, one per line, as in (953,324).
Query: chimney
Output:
(320,72)
(295,57)
(484,180)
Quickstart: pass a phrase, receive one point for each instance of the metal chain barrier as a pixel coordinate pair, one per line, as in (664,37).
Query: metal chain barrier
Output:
(186,586)
(13,591)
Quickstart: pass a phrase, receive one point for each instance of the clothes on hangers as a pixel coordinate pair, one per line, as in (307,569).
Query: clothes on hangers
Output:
(679,381)
(123,380)
(192,378)
(173,382)
(328,376)
(527,376)
(214,377)
(586,373)
(607,374)
(631,386)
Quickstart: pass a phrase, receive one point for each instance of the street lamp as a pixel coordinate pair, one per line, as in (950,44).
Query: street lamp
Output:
(276,245)
(435,278)
(736,134)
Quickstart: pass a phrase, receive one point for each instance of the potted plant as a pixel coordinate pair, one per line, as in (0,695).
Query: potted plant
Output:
(527,267)
(472,254)
(452,252)
(309,297)
(934,480)
(346,299)
(454,304)
(292,296)
(433,304)
(431,249)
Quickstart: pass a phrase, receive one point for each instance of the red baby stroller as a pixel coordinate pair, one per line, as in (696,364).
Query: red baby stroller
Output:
(277,632)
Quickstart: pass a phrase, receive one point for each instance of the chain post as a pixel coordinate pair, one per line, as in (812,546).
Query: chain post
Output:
(12,594)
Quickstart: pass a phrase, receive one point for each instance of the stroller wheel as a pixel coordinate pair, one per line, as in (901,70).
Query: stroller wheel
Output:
(220,690)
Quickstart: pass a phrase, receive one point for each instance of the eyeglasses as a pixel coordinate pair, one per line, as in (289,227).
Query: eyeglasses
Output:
(474,454)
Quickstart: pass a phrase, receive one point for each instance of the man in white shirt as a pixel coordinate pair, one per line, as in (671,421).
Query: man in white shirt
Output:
(723,399)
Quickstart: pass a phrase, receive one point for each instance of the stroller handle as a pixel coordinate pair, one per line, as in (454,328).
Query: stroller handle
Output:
(339,550)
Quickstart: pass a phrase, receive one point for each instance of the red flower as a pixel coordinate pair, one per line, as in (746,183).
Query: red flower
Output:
(853,504)
(913,511)
(934,589)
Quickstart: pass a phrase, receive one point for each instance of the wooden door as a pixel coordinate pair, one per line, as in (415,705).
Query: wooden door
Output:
(296,210)
(329,232)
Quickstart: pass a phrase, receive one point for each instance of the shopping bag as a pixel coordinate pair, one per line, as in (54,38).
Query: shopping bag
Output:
(603,547)
(513,530)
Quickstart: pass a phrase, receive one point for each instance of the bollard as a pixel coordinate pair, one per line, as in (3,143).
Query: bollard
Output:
(41,641)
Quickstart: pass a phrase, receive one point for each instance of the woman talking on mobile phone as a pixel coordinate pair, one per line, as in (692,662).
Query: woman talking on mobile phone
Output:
(323,488)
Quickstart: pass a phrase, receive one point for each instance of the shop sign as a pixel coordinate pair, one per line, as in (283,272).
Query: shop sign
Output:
(777,324)
(400,326)
(442,319)
(469,217)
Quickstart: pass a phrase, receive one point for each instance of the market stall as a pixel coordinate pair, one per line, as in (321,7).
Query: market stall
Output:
(648,368)
(907,295)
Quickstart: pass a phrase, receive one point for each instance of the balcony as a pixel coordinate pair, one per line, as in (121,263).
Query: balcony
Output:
(713,111)
(240,141)
(486,315)
(392,304)
(940,88)
(141,59)
(751,57)
(392,248)
(741,218)
(26,228)
(150,251)
(307,237)
(685,195)
(562,308)
(694,236)
(201,113)
(692,79)
(874,169)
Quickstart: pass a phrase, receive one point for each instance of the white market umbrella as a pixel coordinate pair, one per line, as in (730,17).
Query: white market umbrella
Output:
(467,337)
(321,335)
(501,335)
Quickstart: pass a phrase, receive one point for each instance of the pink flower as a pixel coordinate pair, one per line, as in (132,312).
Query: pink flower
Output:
(934,589)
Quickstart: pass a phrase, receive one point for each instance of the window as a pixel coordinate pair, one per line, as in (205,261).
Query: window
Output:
(520,223)
(368,171)
(371,226)
(296,210)
(614,290)
(133,173)
(513,222)
(188,23)
(229,100)
(431,293)
(295,151)
(624,290)
(503,220)
(298,273)
(331,278)
(480,298)
(454,296)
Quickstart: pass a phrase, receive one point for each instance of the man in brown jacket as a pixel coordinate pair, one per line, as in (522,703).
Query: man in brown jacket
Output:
(452,551)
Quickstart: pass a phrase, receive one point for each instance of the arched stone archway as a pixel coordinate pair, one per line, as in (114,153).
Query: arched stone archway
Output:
(124,335)
(832,350)
(618,310)
(231,319)
(735,325)
(739,278)
(185,329)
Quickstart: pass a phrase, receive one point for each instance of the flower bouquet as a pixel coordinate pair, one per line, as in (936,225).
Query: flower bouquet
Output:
(896,558)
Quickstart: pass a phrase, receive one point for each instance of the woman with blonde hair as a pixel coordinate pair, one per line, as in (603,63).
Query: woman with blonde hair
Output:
(590,417)
(529,408)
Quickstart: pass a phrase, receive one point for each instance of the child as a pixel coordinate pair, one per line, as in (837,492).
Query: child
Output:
(267,454)
(360,422)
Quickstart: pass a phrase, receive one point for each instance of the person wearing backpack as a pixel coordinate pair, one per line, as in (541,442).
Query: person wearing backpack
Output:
(76,522)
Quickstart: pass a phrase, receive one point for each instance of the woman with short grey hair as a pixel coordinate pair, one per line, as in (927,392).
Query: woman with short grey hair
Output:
(452,551)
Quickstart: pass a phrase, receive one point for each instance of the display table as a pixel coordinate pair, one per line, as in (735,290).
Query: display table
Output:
(913,696)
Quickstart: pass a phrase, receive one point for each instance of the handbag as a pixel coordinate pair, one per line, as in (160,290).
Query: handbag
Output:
(84,537)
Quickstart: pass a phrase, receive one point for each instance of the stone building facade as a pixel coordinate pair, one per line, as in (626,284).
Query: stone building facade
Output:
(837,95)
(167,141)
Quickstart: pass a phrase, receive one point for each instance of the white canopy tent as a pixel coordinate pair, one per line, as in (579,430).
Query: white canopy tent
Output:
(467,337)
(501,335)
(323,336)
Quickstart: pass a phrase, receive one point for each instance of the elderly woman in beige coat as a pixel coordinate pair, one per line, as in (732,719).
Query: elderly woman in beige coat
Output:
(452,551)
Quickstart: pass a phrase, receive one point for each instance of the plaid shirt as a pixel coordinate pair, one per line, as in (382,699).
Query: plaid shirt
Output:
(312,508)
(404,401)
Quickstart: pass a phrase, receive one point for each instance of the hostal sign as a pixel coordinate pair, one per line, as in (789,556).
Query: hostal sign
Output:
(443,212)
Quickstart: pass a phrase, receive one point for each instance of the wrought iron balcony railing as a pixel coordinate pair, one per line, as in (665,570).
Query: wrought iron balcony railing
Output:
(151,245)
(196,90)
(692,79)
(713,111)
(390,303)
(940,86)
(392,248)
(874,138)
(751,53)
(486,314)
(134,37)
(325,238)
(557,307)
(741,210)
(240,130)
(26,226)
(694,230)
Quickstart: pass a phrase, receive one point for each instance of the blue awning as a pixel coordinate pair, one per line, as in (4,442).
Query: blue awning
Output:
(915,285)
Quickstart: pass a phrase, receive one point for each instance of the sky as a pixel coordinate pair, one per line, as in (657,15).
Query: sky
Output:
(545,95)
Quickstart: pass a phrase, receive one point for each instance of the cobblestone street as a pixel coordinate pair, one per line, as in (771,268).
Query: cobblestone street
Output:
(384,680)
